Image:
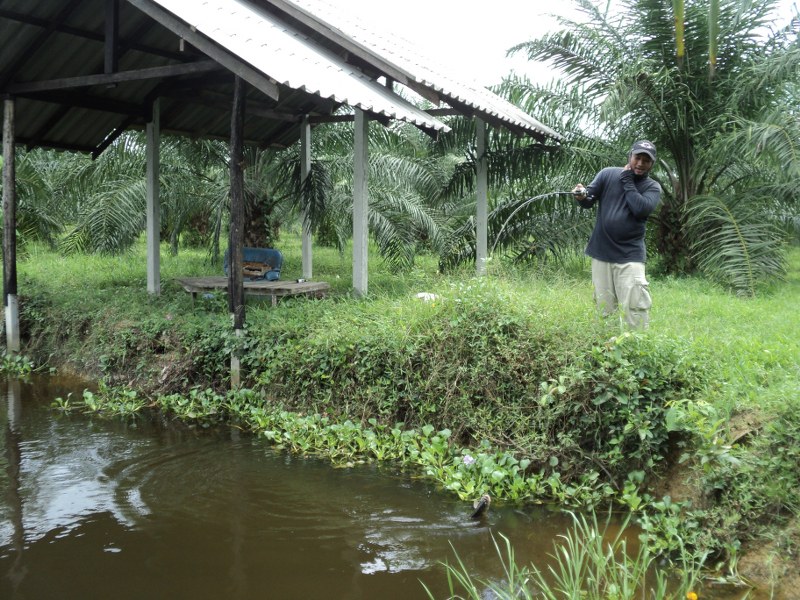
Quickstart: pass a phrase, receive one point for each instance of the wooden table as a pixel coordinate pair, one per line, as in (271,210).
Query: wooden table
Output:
(258,287)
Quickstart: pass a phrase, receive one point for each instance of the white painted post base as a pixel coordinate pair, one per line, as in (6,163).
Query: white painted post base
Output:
(12,325)
(236,371)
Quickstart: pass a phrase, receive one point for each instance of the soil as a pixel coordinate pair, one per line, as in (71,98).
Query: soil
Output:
(771,567)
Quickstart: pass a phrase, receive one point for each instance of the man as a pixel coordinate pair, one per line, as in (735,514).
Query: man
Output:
(625,197)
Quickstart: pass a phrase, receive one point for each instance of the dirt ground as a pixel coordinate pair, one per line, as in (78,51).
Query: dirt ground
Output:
(770,567)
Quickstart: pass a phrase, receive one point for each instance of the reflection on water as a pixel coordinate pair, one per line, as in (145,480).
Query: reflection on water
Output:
(95,508)
(109,509)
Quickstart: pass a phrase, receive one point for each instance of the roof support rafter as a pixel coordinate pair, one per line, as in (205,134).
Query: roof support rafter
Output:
(111,55)
(213,51)
(77,100)
(111,137)
(22,56)
(217,100)
(60,27)
(66,83)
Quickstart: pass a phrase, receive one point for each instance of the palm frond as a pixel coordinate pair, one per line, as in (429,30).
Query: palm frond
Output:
(733,243)
(110,221)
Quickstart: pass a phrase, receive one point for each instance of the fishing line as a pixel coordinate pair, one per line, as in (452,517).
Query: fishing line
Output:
(519,208)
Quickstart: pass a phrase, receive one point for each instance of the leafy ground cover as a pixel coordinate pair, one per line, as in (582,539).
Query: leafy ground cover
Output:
(508,383)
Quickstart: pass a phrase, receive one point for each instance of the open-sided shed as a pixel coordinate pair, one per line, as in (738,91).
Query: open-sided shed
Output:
(76,74)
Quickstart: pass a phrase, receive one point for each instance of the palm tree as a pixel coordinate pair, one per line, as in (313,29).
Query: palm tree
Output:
(529,216)
(405,215)
(83,205)
(106,199)
(194,187)
(40,201)
(102,202)
(715,87)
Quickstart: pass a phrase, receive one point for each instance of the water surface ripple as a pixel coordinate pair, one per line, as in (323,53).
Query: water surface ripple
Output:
(92,508)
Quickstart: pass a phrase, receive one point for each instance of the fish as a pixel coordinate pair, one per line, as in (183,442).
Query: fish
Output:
(481,505)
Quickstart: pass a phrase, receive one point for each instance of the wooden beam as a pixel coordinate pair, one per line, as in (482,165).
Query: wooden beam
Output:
(107,79)
(123,44)
(9,202)
(38,139)
(447,112)
(236,241)
(30,143)
(211,99)
(111,55)
(482,198)
(316,119)
(24,53)
(10,230)
(78,100)
(111,137)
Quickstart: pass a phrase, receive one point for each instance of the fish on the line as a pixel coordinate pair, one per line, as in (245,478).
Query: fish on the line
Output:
(481,505)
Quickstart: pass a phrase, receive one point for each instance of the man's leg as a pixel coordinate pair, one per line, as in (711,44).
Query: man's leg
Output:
(633,292)
(605,294)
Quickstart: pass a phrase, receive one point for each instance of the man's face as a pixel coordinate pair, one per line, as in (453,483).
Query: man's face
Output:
(640,164)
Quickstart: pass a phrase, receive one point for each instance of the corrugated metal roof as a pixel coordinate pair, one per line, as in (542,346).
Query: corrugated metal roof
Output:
(289,58)
(403,56)
(297,65)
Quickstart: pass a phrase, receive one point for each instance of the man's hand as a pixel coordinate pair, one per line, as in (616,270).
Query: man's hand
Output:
(579,192)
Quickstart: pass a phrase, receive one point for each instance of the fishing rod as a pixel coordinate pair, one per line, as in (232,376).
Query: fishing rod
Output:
(523,205)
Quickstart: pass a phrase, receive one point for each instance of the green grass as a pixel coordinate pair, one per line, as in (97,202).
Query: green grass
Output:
(481,350)
(750,345)
(589,561)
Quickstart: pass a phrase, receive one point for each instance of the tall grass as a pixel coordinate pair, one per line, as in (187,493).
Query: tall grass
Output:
(590,562)
(750,345)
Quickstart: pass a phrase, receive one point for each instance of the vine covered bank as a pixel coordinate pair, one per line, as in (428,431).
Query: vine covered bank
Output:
(491,387)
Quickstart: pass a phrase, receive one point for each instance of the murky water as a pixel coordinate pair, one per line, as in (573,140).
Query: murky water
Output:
(104,509)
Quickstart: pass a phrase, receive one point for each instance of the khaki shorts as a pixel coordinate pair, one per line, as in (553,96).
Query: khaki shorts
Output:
(622,286)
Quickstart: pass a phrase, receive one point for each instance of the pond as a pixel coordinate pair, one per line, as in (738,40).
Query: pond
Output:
(135,509)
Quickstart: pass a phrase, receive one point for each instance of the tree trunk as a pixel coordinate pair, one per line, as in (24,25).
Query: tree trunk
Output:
(671,242)
(258,231)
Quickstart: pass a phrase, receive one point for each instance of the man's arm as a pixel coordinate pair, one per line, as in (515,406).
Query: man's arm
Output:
(587,196)
(640,204)
(581,196)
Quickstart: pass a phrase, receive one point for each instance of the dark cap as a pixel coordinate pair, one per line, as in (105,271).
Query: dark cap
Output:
(644,147)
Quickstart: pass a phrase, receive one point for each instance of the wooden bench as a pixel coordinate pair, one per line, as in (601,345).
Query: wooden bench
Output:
(257,287)
(261,269)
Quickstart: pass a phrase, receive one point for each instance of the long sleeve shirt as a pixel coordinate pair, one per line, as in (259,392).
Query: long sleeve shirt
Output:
(624,201)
